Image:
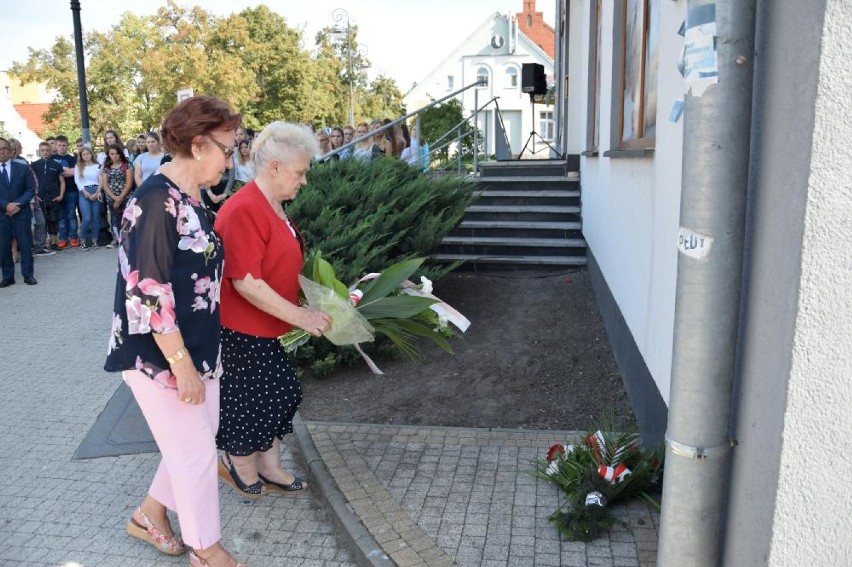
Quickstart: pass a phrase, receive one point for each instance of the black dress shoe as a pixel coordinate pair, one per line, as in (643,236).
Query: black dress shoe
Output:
(6,283)
(30,281)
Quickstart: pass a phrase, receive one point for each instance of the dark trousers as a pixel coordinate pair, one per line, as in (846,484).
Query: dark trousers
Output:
(18,227)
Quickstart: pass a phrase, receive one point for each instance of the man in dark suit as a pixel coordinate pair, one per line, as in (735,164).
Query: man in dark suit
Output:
(17,189)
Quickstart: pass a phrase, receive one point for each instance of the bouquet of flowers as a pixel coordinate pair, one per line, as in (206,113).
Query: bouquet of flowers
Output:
(605,467)
(387,303)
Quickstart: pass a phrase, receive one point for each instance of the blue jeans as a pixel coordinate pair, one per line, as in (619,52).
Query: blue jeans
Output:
(90,211)
(68,220)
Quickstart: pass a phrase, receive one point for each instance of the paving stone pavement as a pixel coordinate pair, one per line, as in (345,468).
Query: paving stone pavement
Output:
(395,495)
(55,511)
(433,496)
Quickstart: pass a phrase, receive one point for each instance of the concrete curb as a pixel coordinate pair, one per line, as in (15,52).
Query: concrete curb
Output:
(365,549)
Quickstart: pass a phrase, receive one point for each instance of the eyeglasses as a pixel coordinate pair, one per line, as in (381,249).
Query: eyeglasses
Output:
(227,150)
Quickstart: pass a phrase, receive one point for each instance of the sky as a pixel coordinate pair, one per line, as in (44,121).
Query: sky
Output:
(404,39)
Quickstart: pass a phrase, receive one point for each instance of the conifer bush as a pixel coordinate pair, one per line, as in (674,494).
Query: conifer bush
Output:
(364,217)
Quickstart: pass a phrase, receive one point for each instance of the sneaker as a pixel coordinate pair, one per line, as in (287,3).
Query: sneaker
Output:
(75,243)
(83,245)
(44,252)
(61,244)
(93,244)
(56,247)
(112,244)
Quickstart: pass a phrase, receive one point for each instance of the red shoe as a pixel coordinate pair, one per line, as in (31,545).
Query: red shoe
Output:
(75,243)
(62,244)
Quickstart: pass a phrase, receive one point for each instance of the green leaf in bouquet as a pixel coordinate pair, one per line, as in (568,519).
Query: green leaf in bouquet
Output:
(423,331)
(341,290)
(401,339)
(395,307)
(326,273)
(389,280)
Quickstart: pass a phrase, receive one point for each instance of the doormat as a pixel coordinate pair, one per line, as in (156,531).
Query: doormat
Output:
(119,430)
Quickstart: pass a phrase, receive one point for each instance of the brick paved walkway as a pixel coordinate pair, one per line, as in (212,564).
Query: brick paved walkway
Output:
(432,496)
(55,511)
(407,496)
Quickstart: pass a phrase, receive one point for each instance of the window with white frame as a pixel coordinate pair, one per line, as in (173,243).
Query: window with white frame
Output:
(511,77)
(451,82)
(482,76)
(546,125)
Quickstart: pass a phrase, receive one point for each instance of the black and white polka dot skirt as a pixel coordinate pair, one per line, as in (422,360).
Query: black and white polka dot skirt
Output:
(259,393)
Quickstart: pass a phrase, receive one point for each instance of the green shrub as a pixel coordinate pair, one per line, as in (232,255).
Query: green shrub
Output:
(364,217)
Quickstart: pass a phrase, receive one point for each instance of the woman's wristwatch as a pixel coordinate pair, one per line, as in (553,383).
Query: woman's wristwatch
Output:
(178,355)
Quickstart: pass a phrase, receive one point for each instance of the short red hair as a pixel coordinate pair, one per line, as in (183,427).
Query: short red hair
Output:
(196,116)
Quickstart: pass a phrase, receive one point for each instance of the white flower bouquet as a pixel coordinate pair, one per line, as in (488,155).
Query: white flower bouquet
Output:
(385,303)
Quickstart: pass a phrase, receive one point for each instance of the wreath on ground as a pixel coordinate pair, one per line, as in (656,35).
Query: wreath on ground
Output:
(605,467)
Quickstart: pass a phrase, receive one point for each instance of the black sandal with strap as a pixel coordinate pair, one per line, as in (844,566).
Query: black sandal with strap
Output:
(228,473)
(298,485)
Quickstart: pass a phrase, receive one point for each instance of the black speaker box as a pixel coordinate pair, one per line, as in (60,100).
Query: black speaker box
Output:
(533,80)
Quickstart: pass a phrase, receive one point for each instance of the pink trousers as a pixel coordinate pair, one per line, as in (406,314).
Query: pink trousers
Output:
(186,481)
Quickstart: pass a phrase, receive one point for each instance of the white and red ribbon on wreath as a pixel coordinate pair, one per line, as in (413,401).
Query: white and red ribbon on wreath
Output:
(613,471)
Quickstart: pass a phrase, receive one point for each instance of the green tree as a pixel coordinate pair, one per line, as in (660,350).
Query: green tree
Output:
(286,82)
(252,59)
(57,68)
(339,52)
(436,121)
(383,100)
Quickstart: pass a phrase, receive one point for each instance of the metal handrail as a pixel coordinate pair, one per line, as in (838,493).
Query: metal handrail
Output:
(433,149)
(392,123)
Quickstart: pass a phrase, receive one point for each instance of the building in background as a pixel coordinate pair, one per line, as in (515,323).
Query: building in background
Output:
(495,52)
(22,109)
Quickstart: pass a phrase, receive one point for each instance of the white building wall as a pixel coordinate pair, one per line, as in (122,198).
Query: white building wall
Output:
(812,524)
(12,121)
(462,65)
(631,205)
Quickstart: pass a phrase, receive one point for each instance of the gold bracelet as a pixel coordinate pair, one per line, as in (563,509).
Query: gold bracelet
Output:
(181,352)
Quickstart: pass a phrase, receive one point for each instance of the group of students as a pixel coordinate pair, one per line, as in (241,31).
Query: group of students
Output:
(79,193)
(76,193)
(395,141)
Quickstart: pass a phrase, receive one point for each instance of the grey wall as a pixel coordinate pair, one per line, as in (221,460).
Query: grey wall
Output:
(786,77)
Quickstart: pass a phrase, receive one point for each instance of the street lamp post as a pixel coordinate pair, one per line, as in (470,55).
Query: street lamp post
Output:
(81,72)
(339,15)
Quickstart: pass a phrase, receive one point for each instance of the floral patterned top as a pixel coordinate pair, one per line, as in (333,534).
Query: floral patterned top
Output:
(169,272)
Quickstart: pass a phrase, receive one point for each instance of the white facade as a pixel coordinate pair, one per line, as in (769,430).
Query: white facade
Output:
(792,393)
(631,205)
(12,121)
(496,50)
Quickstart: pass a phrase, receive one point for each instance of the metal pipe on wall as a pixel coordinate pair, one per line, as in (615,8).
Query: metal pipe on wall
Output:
(717,127)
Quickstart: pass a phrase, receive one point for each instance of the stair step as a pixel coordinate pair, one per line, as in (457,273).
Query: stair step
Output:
(543,193)
(571,177)
(552,209)
(515,241)
(523,225)
(507,259)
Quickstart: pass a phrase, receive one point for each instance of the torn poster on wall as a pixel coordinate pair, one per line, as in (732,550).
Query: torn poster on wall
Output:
(700,66)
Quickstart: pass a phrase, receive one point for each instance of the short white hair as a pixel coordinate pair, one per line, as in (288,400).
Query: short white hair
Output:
(279,138)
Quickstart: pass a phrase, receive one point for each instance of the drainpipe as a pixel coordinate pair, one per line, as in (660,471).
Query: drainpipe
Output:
(717,127)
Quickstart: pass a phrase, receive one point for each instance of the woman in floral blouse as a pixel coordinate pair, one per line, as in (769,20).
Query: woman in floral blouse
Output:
(165,331)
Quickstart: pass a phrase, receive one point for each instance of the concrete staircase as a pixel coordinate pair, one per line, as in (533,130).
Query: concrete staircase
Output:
(526,216)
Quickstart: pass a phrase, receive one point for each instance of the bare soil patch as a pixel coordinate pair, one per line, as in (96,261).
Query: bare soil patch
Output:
(536,356)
